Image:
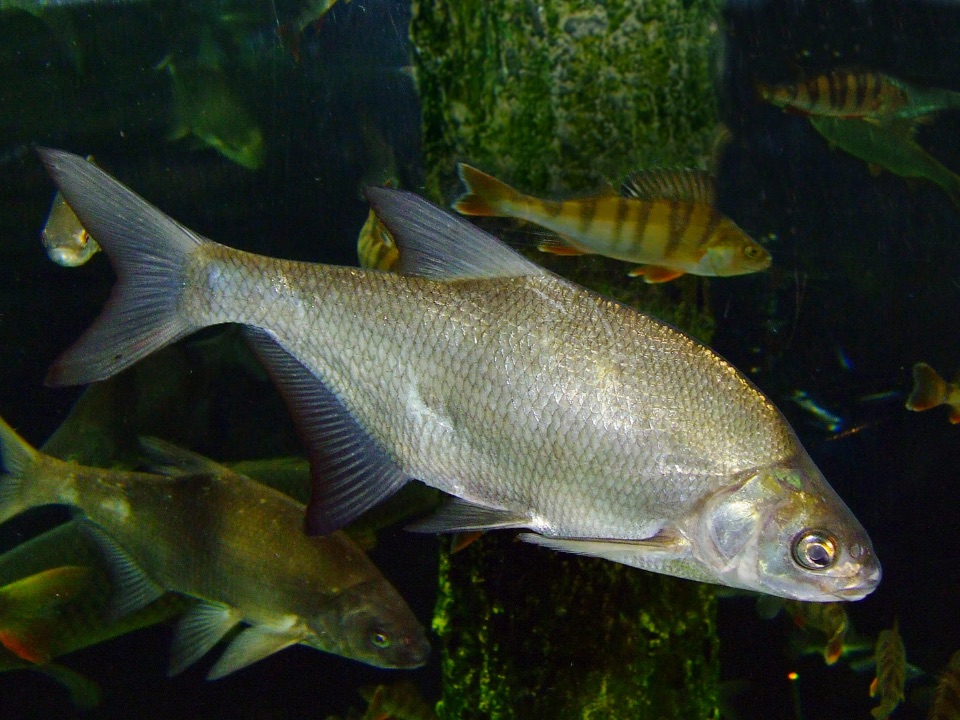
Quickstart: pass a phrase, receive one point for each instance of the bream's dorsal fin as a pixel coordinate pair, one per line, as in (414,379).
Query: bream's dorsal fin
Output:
(437,245)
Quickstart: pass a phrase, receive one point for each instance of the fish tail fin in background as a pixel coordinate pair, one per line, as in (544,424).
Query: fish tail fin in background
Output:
(21,486)
(148,252)
(929,389)
(485,195)
(28,609)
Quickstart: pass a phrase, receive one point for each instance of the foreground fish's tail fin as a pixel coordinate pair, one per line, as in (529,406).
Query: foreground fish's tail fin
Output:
(18,459)
(29,609)
(929,389)
(148,251)
(485,195)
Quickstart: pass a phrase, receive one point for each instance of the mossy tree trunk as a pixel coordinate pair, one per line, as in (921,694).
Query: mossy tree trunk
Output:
(563,97)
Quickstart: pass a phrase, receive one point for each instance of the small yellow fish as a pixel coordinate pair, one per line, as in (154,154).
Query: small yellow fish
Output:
(827,619)
(29,609)
(67,242)
(376,247)
(665,220)
(399,701)
(891,659)
(307,13)
(840,93)
(930,390)
(946,701)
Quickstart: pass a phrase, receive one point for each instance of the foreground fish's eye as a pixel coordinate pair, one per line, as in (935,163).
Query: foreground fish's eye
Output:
(752,252)
(380,639)
(815,550)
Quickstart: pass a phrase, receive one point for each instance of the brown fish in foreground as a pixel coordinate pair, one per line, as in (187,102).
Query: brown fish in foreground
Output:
(535,402)
(666,220)
(891,659)
(233,544)
(930,390)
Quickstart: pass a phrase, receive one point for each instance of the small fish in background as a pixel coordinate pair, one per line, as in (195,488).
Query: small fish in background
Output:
(930,390)
(847,94)
(821,416)
(325,593)
(946,698)
(824,625)
(208,109)
(305,14)
(891,660)
(58,20)
(65,239)
(397,701)
(828,620)
(857,651)
(665,220)
(376,248)
(687,469)
(29,608)
(841,93)
(889,147)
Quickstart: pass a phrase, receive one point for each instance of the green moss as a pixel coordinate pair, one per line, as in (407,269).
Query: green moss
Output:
(565,97)
(532,634)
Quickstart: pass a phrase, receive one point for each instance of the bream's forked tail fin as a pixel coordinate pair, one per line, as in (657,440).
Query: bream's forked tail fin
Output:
(148,251)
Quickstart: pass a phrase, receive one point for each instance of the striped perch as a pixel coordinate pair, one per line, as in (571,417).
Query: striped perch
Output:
(663,220)
(842,94)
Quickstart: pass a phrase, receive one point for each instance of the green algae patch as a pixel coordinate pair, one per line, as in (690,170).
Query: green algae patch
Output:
(527,633)
(564,95)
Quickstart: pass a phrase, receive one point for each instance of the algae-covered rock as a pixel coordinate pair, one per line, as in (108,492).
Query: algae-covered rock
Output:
(559,98)
(532,634)
(562,95)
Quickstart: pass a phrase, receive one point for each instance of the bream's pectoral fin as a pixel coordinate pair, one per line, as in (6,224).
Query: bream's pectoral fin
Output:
(457,515)
(662,546)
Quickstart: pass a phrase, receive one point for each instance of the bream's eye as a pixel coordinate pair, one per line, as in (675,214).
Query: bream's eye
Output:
(380,639)
(814,550)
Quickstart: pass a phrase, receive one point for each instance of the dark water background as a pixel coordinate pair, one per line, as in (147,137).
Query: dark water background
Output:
(865,284)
